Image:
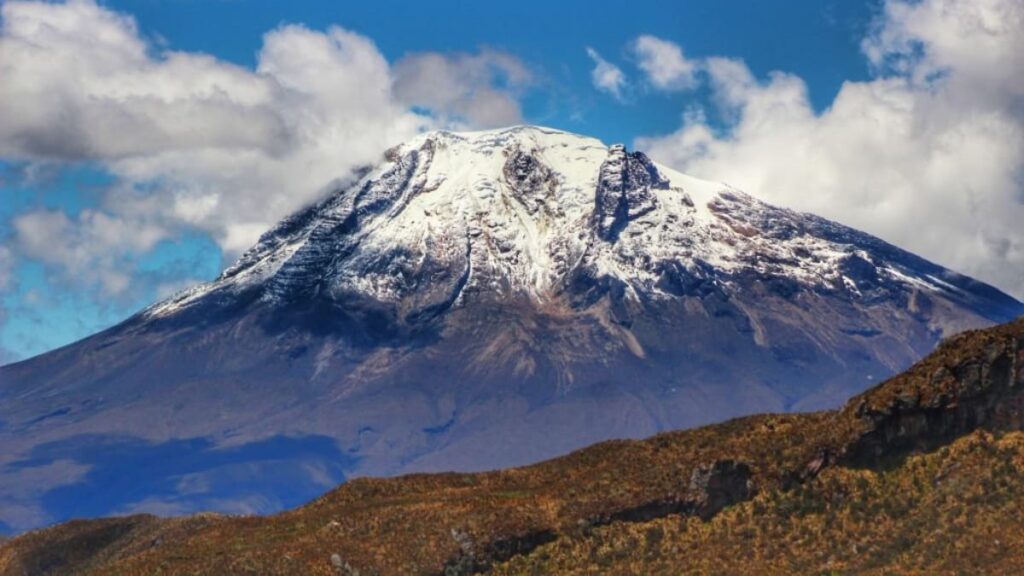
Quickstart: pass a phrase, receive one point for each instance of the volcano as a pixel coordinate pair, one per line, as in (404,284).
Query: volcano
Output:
(476,300)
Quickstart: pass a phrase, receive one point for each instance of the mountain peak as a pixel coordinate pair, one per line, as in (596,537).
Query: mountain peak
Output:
(480,300)
(532,212)
(515,210)
(521,132)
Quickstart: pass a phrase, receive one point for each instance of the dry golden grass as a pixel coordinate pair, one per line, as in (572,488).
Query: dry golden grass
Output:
(958,510)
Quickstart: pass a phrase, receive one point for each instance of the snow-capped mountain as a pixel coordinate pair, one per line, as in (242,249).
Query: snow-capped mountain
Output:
(476,300)
(525,212)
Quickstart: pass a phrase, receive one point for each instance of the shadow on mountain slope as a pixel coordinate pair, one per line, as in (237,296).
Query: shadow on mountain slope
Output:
(95,475)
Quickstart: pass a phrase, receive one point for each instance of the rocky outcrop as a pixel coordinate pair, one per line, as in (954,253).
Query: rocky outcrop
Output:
(723,483)
(711,488)
(948,399)
(474,559)
(624,191)
(533,183)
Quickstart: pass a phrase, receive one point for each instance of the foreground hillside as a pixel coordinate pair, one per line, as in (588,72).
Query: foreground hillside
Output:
(922,473)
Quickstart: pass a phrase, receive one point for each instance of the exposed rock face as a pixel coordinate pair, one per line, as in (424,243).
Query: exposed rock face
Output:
(982,392)
(531,182)
(721,484)
(624,190)
(476,300)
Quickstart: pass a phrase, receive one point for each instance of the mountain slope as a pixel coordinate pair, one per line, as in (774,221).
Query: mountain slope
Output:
(477,300)
(922,473)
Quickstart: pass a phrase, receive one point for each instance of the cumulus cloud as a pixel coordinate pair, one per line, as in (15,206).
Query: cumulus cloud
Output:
(461,87)
(197,143)
(90,248)
(606,76)
(220,148)
(6,267)
(663,63)
(79,84)
(929,154)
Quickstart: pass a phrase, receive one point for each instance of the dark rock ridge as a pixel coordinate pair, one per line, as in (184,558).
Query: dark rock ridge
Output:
(624,191)
(986,391)
(475,301)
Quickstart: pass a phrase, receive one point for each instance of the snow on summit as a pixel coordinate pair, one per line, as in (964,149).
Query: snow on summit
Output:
(520,210)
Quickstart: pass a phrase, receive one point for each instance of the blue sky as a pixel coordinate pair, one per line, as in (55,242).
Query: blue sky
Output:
(147,142)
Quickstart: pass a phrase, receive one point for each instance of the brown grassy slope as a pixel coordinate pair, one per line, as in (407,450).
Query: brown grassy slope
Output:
(561,514)
(956,510)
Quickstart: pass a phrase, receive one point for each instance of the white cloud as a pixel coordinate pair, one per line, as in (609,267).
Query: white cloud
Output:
(6,267)
(202,144)
(606,76)
(460,87)
(91,248)
(225,149)
(928,155)
(663,63)
(79,83)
